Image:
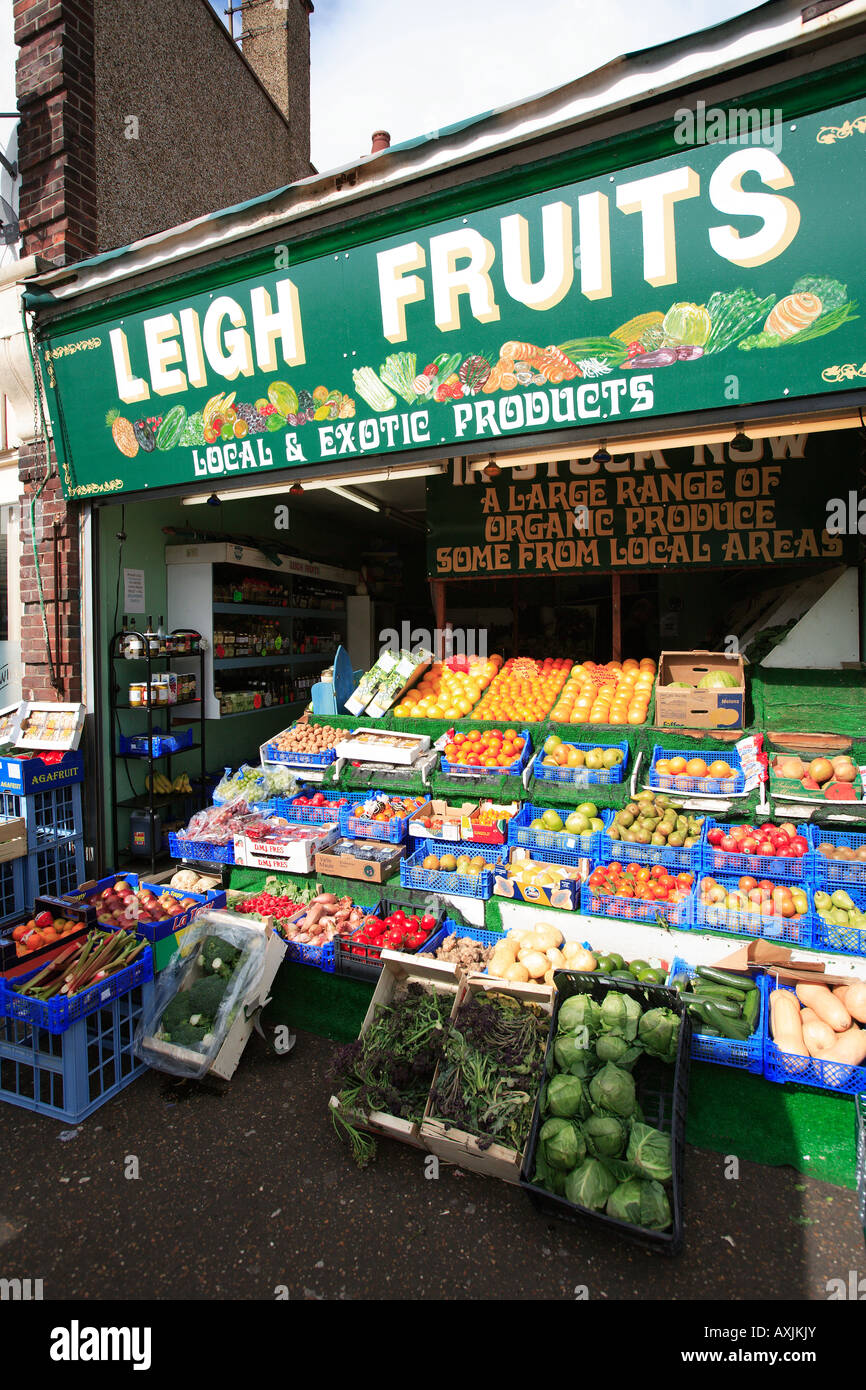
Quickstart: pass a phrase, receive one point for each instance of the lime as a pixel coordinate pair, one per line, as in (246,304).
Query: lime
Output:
(276,422)
(284,397)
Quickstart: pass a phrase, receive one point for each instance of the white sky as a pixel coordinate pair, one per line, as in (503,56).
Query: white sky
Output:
(411,68)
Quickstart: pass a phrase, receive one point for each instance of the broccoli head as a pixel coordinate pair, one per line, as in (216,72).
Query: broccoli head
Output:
(219,956)
(187,1035)
(206,995)
(176,1012)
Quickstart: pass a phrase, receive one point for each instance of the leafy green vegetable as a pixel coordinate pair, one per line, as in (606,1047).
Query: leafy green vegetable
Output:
(605,1136)
(658,1031)
(206,995)
(399,372)
(686,325)
(732,315)
(613,1089)
(563,1143)
(612,1047)
(825,323)
(590,1185)
(176,1012)
(620,1013)
(650,1152)
(579,1011)
(371,389)
(641,1203)
(831,293)
(571,1057)
(567,1095)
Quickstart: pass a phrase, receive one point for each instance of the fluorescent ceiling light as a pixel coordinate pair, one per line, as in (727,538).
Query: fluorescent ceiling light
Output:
(355,497)
(428,470)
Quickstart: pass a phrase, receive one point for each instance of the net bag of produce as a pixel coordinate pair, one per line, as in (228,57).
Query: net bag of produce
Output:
(199,994)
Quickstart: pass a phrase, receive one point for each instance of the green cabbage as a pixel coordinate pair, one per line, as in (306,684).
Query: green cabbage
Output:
(579,1011)
(590,1185)
(571,1057)
(642,1203)
(658,1032)
(649,1151)
(605,1136)
(563,1143)
(686,325)
(613,1089)
(620,1013)
(566,1096)
(611,1047)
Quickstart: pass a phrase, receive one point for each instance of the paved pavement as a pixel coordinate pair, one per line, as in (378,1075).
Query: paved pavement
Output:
(248,1193)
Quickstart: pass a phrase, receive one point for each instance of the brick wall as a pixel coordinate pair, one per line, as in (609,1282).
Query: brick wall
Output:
(62,586)
(58,220)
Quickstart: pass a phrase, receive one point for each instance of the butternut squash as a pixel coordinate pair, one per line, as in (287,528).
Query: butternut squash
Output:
(787,1030)
(850,1047)
(853,997)
(827,1006)
(819,1038)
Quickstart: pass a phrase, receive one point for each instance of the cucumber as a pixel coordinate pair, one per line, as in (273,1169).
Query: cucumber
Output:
(734,1029)
(680,983)
(609,348)
(719,991)
(445,363)
(171,429)
(751,1009)
(724,1006)
(725,977)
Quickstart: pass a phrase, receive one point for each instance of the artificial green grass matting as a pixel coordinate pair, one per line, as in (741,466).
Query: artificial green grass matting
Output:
(736,1112)
(328,1005)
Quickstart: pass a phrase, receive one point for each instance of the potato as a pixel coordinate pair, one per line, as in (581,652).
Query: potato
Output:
(536,963)
(516,972)
(547,937)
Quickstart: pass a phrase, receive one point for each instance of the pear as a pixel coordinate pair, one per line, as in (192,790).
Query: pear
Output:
(841,899)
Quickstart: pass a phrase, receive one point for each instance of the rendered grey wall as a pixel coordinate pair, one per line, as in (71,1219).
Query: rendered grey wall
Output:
(208,133)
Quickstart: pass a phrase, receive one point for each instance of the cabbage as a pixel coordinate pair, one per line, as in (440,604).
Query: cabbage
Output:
(613,1089)
(604,1135)
(563,1144)
(580,1011)
(650,1152)
(571,1057)
(612,1047)
(686,325)
(566,1095)
(658,1032)
(642,1203)
(620,1013)
(590,1185)
(718,680)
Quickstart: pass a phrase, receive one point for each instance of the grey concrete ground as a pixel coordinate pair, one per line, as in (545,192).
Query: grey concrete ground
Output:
(250,1195)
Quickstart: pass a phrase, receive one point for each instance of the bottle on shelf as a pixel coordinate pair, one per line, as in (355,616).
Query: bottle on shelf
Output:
(131,644)
(151,638)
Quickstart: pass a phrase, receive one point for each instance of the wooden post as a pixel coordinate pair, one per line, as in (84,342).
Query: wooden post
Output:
(438,588)
(616,615)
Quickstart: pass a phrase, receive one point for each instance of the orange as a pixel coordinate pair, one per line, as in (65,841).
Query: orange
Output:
(677,766)
(696,767)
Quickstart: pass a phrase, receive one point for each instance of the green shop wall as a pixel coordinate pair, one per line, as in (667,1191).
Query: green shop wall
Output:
(227,742)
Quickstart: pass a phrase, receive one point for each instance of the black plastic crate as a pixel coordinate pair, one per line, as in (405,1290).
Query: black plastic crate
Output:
(662,1093)
(365,962)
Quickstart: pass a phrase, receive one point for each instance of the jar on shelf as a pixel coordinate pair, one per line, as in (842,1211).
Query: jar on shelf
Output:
(137,694)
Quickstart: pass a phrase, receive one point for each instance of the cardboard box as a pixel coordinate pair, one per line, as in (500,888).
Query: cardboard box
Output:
(407,671)
(46,724)
(399,970)
(381,745)
(462,822)
(346,865)
(564,894)
(283,852)
(370,683)
(456,1146)
(25,776)
(699,709)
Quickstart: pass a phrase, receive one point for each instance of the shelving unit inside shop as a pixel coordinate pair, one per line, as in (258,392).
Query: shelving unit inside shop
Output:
(270,626)
(170,729)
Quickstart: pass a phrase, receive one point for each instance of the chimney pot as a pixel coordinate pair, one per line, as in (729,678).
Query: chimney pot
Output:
(381,141)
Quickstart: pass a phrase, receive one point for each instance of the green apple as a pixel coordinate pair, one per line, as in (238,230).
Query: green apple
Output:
(577,824)
(552,820)
(588,809)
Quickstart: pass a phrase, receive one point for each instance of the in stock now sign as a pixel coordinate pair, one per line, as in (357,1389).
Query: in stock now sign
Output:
(726,274)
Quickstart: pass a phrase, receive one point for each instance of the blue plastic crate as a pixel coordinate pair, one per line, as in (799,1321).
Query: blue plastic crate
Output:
(362,828)
(847,941)
(70,1075)
(54,869)
(200,851)
(304,815)
(510,770)
(582,776)
(714,785)
(25,775)
(136,745)
(49,816)
(781,868)
(13,898)
(782,1066)
(60,1013)
(412,875)
(154,931)
(678,915)
(748,1055)
(836,873)
(281,755)
(486,938)
(322,957)
(365,963)
(520,834)
(677,858)
(775,928)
